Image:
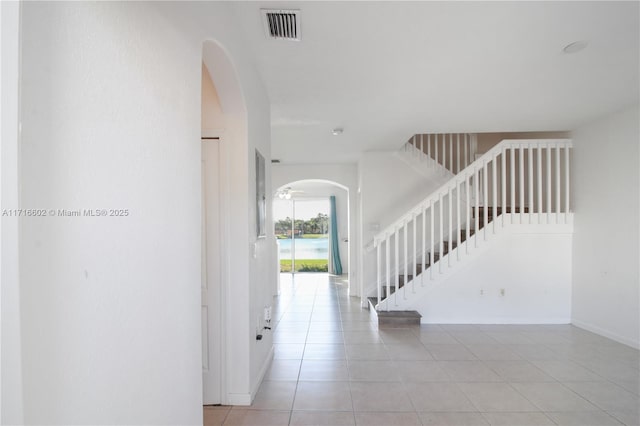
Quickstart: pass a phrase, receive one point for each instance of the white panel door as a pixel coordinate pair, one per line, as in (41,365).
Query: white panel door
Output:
(211,276)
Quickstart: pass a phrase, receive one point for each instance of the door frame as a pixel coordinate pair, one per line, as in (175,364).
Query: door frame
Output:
(218,134)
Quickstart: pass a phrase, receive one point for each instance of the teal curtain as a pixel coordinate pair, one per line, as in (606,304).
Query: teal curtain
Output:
(335,266)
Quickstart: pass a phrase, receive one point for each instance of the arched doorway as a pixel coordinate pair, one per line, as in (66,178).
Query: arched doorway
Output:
(223,125)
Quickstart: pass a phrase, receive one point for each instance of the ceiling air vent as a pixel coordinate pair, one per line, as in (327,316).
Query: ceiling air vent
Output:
(281,24)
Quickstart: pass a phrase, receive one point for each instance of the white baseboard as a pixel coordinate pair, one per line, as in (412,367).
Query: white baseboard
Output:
(263,370)
(498,320)
(247,398)
(605,333)
(239,399)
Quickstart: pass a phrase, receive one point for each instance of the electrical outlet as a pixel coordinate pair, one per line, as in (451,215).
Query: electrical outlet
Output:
(502,292)
(267,313)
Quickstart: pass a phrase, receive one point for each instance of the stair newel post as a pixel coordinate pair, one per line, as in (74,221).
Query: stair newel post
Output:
(540,208)
(387,249)
(423,246)
(458,232)
(405,227)
(530,180)
(503,183)
(485,196)
(548,149)
(566,183)
(467,209)
(414,257)
(476,217)
(397,265)
(440,234)
(431,236)
(557,147)
(379,267)
(494,190)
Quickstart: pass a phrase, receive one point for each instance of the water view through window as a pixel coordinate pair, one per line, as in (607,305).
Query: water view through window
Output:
(308,222)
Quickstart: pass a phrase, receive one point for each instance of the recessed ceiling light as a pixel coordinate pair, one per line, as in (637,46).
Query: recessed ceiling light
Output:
(575,47)
(337,131)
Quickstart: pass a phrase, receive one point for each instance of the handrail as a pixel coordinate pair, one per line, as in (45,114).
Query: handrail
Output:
(464,174)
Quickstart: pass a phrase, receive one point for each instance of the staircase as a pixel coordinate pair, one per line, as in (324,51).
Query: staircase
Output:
(516,182)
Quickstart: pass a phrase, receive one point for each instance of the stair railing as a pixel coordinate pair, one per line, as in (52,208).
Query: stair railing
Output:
(527,178)
(454,151)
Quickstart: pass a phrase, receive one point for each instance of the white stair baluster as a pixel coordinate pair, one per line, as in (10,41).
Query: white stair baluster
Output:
(414,257)
(467,209)
(440,234)
(494,190)
(406,256)
(485,196)
(458,232)
(476,184)
(512,172)
(530,175)
(450,244)
(458,153)
(549,183)
(444,150)
(558,184)
(521,158)
(379,264)
(466,150)
(567,202)
(387,249)
(540,207)
(451,153)
(503,182)
(432,214)
(435,147)
(397,266)
(424,245)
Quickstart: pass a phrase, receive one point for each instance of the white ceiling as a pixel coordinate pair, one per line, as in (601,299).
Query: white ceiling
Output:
(387,70)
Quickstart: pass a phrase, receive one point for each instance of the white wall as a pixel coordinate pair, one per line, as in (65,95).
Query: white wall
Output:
(388,188)
(533,269)
(10,356)
(345,175)
(111,119)
(605,246)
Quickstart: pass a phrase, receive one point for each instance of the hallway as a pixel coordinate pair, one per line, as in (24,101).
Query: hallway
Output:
(332,366)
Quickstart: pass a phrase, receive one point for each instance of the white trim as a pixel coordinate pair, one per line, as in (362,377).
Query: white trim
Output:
(263,370)
(238,399)
(11,389)
(247,398)
(496,320)
(605,333)
(223,157)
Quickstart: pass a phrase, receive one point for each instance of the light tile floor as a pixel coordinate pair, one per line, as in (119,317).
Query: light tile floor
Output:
(332,366)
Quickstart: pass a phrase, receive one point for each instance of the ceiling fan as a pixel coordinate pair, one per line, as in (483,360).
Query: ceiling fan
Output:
(286,193)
